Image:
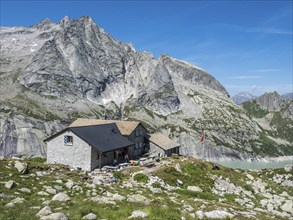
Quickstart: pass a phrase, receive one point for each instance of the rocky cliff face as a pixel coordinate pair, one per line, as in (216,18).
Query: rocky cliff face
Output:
(271,102)
(274,115)
(51,72)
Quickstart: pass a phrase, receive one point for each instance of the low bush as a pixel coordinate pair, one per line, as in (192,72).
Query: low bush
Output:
(118,175)
(140,177)
(156,185)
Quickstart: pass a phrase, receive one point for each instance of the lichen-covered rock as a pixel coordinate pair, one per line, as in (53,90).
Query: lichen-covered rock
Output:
(61,197)
(137,198)
(44,211)
(21,167)
(25,190)
(218,214)
(138,214)
(194,188)
(90,216)
(178,168)
(55,216)
(69,184)
(10,184)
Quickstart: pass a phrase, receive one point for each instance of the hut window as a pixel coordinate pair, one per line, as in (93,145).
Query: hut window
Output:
(68,140)
(137,132)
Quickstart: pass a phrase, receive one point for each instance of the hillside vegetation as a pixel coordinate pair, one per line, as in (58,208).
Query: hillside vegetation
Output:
(175,188)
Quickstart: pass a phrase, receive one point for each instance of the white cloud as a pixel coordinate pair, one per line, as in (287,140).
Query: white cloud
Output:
(266,70)
(269,30)
(245,77)
(263,30)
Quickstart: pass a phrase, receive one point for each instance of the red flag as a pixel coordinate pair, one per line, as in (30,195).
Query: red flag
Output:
(202,137)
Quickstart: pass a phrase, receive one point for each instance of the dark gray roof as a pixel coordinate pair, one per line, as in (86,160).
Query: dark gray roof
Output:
(105,137)
(163,141)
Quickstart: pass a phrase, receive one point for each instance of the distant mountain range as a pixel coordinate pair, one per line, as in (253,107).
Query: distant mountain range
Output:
(288,96)
(52,73)
(245,96)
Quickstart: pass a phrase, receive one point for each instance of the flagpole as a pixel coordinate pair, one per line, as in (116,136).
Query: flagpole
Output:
(202,137)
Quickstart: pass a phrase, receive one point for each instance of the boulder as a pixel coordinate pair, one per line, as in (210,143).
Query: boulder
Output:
(194,188)
(14,201)
(200,214)
(44,212)
(104,200)
(55,216)
(188,208)
(90,216)
(138,214)
(156,190)
(118,197)
(287,183)
(287,206)
(249,176)
(10,184)
(26,190)
(69,184)
(98,181)
(178,168)
(21,167)
(179,182)
(218,214)
(270,207)
(42,193)
(61,197)
(59,188)
(51,191)
(137,198)
(41,173)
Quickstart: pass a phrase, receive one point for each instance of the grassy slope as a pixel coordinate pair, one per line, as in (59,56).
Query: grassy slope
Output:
(195,172)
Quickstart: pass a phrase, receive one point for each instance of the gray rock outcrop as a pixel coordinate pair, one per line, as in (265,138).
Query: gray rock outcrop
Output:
(61,197)
(10,184)
(55,216)
(21,167)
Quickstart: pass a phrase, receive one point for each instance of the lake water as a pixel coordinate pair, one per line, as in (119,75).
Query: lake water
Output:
(254,165)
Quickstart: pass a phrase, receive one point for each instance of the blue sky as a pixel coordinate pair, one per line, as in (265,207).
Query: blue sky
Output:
(246,45)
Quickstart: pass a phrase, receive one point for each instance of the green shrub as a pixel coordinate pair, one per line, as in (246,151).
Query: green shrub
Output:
(38,159)
(140,177)
(156,185)
(118,175)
